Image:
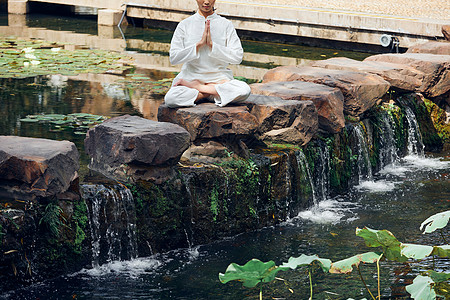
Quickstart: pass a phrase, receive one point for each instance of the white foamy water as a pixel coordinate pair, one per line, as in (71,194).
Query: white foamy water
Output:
(425,163)
(395,169)
(379,186)
(331,211)
(132,268)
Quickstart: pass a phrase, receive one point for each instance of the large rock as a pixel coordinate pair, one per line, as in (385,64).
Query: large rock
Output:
(440,48)
(361,90)
(329,101)
(400,77)
(294,122)
(446,32)
(31,167)
(131,147)
(436,69)
(209,121)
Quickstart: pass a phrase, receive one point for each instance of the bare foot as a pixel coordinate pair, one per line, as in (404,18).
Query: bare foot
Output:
(194,84)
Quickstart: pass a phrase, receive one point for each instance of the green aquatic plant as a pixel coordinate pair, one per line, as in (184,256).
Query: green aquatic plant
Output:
(256,271)
(78,122)
(427,285)
(53,218)
(29,58)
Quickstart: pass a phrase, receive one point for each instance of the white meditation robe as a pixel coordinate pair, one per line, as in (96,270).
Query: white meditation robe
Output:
(207,65)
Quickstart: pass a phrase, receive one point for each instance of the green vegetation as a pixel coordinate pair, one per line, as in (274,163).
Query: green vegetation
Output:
(439,118)
(427,285)
(78,122)
(53,219)
(22,58)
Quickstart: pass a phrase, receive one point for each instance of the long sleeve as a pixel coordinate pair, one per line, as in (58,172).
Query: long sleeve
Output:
(179,54)
(232,52)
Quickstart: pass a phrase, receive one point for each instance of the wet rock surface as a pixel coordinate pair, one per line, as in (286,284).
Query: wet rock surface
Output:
(329,101)
(436,69)
(133,146)
(33,167)
(361,90)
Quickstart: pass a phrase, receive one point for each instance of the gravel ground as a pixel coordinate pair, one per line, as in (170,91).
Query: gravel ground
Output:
(428,9)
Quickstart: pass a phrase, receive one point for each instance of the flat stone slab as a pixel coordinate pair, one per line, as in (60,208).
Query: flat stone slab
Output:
(361,90)
(329,101)
(440,48)
(284,121)
(208,121)
(401,77)
(136,147)
(31,167)
(436,69)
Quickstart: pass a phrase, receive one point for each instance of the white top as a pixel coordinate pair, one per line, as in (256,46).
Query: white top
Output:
(208,65)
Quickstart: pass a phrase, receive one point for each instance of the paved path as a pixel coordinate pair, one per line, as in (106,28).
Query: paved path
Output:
(423,9)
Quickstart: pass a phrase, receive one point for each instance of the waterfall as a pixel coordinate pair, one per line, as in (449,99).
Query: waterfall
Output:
(388,148)
(304,167)
(112,221)
(364,166)
(415,144)
(322,172)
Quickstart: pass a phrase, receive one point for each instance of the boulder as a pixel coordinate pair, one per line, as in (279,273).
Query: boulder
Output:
(401,77)
(446,32)
(361,90)
(209,121)
(33,167)
(293,122)
(329,101)
(131,147)
(436,69)
(440,48)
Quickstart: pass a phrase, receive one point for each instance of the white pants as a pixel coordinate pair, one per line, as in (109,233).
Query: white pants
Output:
(230,91)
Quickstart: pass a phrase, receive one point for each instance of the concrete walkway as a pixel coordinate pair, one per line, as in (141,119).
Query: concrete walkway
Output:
(420,9)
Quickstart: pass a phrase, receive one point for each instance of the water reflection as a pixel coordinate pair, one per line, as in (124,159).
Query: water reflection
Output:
(150,47)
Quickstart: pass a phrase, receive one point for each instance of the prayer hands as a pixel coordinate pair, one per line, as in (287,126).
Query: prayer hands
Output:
(206,38)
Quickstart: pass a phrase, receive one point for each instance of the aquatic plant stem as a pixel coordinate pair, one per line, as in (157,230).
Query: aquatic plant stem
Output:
(260,293)
(364,282)
(310,284)
(443,237)
(378,275)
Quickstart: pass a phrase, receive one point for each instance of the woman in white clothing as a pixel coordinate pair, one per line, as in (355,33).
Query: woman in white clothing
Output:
(205,43)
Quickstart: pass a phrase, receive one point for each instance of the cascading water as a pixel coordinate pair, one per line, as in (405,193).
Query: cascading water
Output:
(363,162)
(415,143)
(388,148)
(322,172)
(112,220)
(304,167)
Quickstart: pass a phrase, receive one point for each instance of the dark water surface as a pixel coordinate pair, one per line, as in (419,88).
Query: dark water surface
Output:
(398,200)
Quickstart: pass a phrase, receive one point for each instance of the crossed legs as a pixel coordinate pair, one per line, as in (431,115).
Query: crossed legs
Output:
(186,93)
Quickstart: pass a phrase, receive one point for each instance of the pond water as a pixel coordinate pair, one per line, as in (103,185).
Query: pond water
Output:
(398,199)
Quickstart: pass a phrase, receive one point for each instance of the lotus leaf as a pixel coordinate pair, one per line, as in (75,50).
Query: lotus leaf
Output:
(346,265)
(442,251)
(252,273)
(305,260)
(384,239)
(422,288)
(416,251)
(436,221)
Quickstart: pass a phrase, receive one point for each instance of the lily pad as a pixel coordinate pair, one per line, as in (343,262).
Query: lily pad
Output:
(346,265)
(252,273)
(435,222)
(305,260)
(385,239)
(422,288)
